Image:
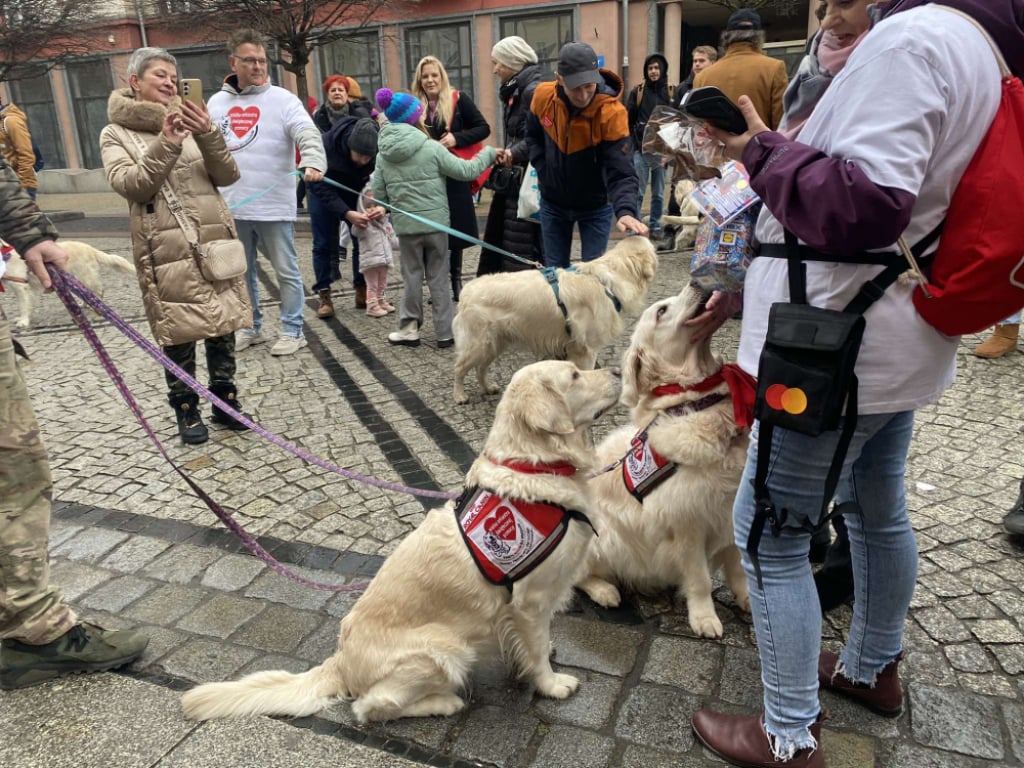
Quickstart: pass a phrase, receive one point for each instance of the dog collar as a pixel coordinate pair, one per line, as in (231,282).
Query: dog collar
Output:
(706,385)
(742,388)
(563,468)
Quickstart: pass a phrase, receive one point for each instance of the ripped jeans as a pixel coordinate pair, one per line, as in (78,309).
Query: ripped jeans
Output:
(787,616)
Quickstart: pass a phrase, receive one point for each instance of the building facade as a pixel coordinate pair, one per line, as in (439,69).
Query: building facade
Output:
(67,105)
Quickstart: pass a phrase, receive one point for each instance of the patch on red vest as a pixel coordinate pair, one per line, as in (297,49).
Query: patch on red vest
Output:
(644,469)
(508,538)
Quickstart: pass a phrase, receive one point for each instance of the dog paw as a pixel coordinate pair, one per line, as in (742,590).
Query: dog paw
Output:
(706,626)
(490,388)
(21,325)
(604,594)
(460,398)
(743,601)
(557,686)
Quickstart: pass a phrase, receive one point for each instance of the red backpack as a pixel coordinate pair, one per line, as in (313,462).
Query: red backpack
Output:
(976,278)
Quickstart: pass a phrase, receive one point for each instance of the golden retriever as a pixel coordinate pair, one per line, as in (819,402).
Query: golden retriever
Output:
(407,646)
(519,309)
(689,216)
(683,530)
(84,262)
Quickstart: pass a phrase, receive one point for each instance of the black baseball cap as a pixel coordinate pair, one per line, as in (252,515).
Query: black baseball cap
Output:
(577,65)
(744,18)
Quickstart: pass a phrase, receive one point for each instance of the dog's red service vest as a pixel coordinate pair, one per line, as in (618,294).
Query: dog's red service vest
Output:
(508,538)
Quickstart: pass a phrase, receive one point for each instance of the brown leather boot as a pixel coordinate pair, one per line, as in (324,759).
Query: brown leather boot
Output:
(741,740)
(326,308)
(1002,342)
(360,297)
(884,698)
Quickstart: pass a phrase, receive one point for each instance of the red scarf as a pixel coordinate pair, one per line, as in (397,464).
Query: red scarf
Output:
(742,388)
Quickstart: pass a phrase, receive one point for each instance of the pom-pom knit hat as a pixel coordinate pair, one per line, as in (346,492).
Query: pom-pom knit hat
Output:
(399,107)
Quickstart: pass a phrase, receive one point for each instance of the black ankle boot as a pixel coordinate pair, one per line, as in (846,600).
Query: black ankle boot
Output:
(190,423)
(229,395)
(456,270)
(1014,520)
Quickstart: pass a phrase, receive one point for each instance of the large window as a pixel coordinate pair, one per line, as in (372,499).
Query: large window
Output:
(209,66)
(357,57)
(91,83)
(31,92)
(547,34)
(452,44)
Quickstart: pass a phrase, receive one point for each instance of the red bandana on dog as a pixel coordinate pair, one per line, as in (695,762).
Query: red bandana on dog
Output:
(742,387)
(508,538)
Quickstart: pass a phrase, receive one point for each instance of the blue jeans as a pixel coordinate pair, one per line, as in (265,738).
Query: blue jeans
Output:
(556,232)
(647,164)
(326,251)
(787,616)
(277,241)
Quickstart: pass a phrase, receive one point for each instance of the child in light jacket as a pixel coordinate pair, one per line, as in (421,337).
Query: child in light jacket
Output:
(377,241)
(411,174)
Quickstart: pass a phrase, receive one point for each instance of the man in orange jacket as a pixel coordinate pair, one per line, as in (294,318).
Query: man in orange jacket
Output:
(16,146)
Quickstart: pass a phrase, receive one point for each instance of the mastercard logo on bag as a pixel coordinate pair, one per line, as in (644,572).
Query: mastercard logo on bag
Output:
(792,400)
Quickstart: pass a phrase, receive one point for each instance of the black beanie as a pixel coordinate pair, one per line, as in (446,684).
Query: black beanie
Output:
(363,138)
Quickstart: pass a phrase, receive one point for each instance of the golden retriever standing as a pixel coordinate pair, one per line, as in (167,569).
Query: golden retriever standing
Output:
(407,646)
(683,530)
(519,309)
(689,216)
(84,262)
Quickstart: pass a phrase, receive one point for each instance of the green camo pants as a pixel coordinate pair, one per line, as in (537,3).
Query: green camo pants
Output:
(30,610)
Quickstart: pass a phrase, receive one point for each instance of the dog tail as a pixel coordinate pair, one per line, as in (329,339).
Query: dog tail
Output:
(117,262)
(266,693)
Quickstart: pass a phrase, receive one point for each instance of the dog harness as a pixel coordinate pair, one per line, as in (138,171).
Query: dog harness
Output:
(551,275)
(508,538)
(643,468)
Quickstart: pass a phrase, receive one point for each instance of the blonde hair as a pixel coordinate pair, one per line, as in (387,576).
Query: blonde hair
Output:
(444,97)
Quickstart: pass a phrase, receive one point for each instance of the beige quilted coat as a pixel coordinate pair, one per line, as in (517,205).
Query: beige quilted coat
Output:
(180,303)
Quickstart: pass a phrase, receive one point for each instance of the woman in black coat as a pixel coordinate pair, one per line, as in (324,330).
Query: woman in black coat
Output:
(454,120)
(515,64)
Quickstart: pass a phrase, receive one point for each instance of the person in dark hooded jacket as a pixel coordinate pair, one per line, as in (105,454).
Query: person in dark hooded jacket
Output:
(351,149)
(654,91)
(515,64)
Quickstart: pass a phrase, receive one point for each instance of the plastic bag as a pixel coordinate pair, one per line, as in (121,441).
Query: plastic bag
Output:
(724,198)
(671,134)
(529,196)
(721,255)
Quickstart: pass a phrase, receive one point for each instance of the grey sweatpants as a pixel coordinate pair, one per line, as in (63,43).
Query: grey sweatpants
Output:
(426,255)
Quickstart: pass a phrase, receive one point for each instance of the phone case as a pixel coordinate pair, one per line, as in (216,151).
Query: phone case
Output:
(713,106)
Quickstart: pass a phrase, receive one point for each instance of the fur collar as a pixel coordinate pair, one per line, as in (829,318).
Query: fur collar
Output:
(125,110)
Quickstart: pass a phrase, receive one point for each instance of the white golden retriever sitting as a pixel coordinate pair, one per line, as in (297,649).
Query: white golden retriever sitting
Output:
(407,646)
(689,216)
(84,262)
(521,309)
(682,531)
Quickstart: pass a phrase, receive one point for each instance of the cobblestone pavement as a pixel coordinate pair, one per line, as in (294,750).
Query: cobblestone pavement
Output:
(131,545)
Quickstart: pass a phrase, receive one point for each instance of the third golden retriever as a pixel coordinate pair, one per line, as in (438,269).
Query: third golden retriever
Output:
(682,530)
(521,309)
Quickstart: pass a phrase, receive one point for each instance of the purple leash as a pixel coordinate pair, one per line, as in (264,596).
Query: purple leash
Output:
(66,284)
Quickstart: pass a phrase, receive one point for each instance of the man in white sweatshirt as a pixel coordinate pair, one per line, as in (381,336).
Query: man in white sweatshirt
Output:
(262,124)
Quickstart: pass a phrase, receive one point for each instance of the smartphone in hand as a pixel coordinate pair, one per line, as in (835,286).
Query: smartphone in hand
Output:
(712,106)
(191,89)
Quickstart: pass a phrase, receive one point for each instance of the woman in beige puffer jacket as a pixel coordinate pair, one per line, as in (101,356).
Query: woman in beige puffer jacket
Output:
(185,151)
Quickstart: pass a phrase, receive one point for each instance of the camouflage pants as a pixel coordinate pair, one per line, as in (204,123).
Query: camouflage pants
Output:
(30,609)
(220,362)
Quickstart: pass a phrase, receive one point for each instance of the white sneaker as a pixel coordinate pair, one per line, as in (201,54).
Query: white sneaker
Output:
(246,338)
(408,335)
(288,345)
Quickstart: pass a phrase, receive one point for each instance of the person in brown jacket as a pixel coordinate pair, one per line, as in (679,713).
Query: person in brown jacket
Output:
(154,141)
(16,146)
(745,70)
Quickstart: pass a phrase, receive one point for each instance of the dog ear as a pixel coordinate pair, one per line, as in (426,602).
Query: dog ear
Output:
(547,410)
(632,370)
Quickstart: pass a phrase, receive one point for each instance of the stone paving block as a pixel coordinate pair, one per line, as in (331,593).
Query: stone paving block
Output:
(909,755)
(1010,657)
(166,604)
(847,715)
(657,717)
(941,625)
(688,664)
(118,593)
(590,707)
(75,579)
(232,572)
(61,532)
(987,684)
(848,750)
(161,642)
(206,661)
(955,721)
(275,662)
(181,563)
(136,553)
(89,545)
(492,735)
(741,678)
(996,631)
(493,683)
(278,628)
(220,616)
(968,657)
(275,587)
(322,643)
(636,756)
(566,747)
(600,647)
(1014,716)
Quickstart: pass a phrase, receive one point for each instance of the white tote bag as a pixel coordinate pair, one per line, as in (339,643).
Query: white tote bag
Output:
(529,196)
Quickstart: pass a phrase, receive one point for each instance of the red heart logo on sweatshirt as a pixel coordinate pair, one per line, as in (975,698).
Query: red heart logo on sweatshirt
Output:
(243,120)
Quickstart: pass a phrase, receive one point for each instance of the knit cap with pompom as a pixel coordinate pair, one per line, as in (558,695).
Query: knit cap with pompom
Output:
(399,107)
